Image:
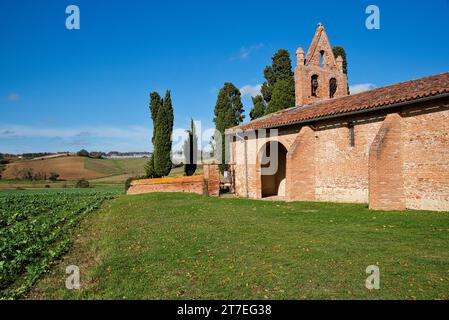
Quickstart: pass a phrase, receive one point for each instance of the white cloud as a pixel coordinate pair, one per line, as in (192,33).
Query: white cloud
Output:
(13,97)
(250,91)
(245,52)
(357,88)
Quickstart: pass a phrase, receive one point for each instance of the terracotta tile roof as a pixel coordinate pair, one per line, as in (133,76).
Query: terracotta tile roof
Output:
(368,100)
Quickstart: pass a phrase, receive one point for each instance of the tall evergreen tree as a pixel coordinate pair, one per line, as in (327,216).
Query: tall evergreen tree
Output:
(280,69)
(162,137)
(191,150)
(228,113)
(155,106)
(149,167)
(340,51)
(283,96)
(259,107)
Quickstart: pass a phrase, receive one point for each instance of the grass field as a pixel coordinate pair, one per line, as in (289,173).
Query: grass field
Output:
(158,246)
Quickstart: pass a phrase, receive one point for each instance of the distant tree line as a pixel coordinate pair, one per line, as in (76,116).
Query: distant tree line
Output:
(29,174)
(36,155)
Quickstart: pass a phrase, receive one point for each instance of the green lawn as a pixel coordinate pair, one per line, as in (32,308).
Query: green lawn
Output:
(158,246)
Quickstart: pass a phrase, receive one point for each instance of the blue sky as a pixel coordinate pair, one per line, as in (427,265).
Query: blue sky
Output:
(66,90)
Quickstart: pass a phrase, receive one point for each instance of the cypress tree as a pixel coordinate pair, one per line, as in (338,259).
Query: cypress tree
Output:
(191,150)
(280,70)
(258,109)
(155,106)
(228,113)
(149,167)
(340,51)
(162,137)
(283,96)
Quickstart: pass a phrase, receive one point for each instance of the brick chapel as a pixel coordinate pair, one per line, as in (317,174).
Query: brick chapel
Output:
(388,147)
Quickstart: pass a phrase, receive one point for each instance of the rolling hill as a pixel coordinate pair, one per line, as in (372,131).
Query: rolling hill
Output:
(74,168)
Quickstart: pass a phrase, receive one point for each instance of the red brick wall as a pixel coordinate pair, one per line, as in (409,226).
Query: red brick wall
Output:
(386,179)
(212,178)
(301,163)
(342,169)
(286,136)
(193,184)
(425,141)
(399,161)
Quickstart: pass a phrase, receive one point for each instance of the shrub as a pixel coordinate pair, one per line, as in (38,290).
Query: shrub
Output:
(40,176)
(47,186)
(82,183)
(128,183)
(53,176)
(25,174)
(83,153)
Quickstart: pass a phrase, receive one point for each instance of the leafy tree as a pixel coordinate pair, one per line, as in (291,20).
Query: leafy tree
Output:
(258,109)
(340,51)
(280,69)
(283,96)
(162,138)
(191,150)
(228,113)
(83,153)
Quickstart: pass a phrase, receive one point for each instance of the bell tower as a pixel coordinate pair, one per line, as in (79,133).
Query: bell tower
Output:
(319,75)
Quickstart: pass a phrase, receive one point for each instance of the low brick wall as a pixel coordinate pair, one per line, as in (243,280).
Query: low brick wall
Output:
(194,184)
(209,184)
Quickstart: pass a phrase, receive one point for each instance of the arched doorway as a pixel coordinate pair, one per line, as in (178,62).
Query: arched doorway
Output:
(273,165)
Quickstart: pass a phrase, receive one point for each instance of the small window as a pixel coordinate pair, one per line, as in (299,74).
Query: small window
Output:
(332,87)
(321,59)
(351,134)
(314,85)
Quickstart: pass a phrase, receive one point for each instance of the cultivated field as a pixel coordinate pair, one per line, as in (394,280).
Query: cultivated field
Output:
(74,168)
(185,246)
(36,229)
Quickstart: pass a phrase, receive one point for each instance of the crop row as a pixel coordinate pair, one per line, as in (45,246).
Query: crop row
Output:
(34,231)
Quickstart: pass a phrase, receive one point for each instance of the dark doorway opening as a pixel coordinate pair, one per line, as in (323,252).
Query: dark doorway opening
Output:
(273,169)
